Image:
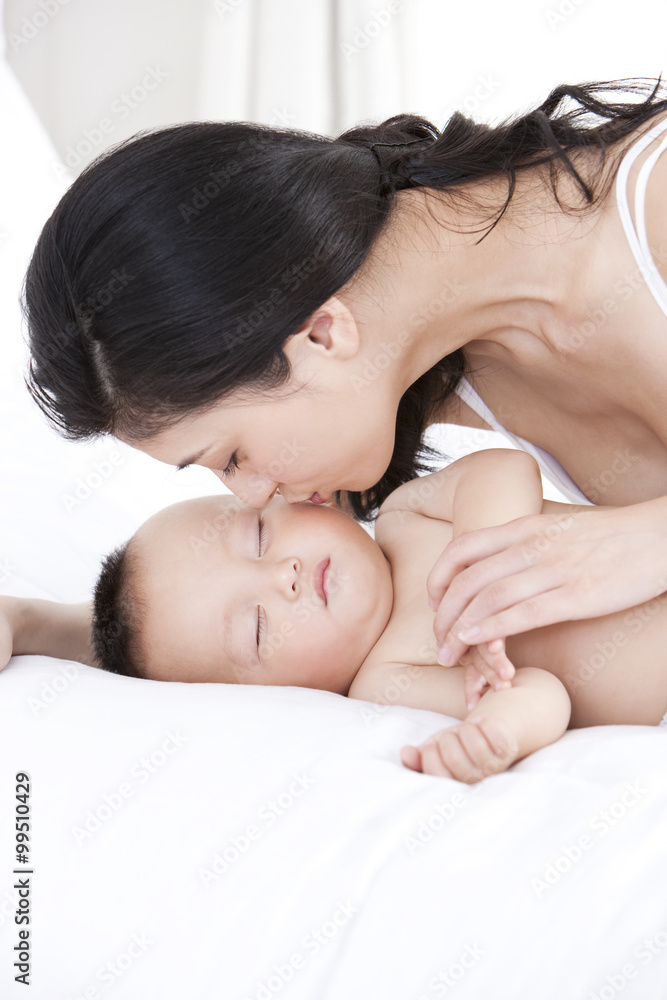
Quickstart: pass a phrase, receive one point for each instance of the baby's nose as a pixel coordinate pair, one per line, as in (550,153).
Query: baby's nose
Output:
(287,576)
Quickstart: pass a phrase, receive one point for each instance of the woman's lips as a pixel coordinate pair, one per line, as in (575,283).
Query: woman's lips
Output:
(320,581)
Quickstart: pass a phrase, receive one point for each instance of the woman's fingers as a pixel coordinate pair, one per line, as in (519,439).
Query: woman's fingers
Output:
(467,604)
(543,569)
(545,609)
(487,579)
(535,611)
(469,549)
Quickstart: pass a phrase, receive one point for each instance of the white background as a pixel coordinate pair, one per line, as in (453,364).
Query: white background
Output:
(323,65)
(317,64)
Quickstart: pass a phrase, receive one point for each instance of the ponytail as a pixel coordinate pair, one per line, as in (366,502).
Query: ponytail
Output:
(179,262)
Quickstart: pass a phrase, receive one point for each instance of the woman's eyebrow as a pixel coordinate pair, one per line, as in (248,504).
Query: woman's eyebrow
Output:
(191,461)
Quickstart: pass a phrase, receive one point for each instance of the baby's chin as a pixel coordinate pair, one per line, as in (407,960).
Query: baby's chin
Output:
(373,627)
(337,680)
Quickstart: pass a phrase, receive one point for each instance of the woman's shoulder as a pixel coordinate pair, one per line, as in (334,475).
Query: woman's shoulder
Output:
(647,194)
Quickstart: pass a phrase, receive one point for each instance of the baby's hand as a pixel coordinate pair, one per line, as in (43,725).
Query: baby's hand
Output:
(468,752)
(486,664)
(7,628)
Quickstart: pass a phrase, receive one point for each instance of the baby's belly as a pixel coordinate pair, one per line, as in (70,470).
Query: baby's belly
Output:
(614,667)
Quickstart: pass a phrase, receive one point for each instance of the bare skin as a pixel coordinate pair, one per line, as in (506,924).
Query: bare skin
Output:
(517,304)
(238,602)
(607,670)
(513,302)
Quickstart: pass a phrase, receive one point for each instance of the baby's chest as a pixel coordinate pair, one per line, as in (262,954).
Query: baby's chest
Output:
(412,544)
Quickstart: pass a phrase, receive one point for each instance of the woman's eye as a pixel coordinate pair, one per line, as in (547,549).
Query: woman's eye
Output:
(261,536)
(233,464)
(260,625)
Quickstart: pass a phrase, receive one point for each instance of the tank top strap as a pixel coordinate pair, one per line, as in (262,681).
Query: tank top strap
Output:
(468,395)
(549,466)
(635,231)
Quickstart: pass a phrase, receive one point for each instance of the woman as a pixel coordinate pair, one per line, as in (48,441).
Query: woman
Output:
(293,311)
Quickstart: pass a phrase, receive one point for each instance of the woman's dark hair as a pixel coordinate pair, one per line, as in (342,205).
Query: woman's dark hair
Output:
(178,263)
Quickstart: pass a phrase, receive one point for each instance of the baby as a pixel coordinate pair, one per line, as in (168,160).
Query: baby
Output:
(211,590)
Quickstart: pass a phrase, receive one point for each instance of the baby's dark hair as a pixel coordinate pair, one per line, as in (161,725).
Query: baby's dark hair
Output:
(118,614)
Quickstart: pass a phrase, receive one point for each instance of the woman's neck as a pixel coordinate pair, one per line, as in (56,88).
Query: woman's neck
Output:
(435,289)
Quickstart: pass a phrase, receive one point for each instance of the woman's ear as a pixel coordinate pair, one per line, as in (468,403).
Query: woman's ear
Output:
(330,332)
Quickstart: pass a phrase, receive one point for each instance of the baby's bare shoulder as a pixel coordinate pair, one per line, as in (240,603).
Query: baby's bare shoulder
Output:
(393,524)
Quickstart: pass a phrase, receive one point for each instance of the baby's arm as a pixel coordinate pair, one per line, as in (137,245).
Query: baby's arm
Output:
(47,627)
(481,490)
(504,726)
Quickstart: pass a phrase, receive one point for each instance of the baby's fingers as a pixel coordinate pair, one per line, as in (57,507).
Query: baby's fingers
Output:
(473,684)
(503,748)
(490,661)
(412,758)
(461,752)
(497,662)
(426,758)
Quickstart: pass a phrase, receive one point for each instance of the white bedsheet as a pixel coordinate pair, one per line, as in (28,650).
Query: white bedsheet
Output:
(208,841)
(226,827)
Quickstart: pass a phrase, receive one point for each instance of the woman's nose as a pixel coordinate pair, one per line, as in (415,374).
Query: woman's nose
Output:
(253,489)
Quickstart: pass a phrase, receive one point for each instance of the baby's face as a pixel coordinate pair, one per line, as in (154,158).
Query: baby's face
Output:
(221,605)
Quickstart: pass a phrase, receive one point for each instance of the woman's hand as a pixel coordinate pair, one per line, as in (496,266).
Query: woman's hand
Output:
(546,568)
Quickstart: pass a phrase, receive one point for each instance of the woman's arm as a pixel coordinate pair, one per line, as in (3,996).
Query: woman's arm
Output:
(36,626)
(544,569)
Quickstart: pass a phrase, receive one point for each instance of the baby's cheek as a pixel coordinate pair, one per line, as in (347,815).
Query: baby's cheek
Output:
(292,650)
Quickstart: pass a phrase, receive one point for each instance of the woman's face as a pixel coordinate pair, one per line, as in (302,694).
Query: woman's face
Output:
(304,447)
(331,428)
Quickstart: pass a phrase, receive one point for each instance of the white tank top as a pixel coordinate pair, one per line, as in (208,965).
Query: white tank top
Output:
(552,469)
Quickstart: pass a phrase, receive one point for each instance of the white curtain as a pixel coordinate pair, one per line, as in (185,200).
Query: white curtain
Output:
(98,71)
(322,65)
